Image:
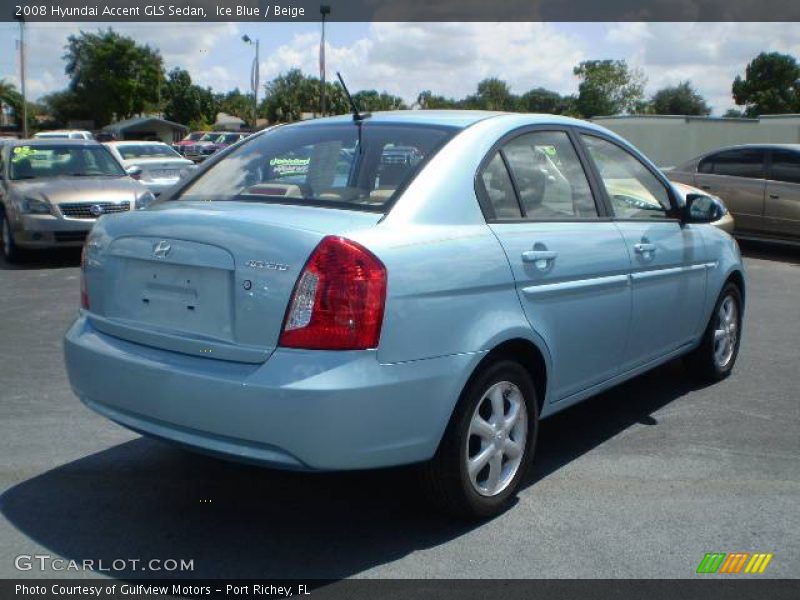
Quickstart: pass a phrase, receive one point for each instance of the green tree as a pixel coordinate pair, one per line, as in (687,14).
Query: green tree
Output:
(492,94)
(185,102)
(541,100)
(607,87)
(371,100)
(290,95)
(112,76)
(64,106)
(427,100)
(771,85)
(681,99)
(733,113)
(236,103)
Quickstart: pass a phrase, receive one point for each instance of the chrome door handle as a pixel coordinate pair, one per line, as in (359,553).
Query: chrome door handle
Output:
(644,248)
(542,259)
(774,196)
(536,255)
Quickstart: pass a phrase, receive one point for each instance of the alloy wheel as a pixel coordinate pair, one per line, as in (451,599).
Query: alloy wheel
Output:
(496,440)
(726,332)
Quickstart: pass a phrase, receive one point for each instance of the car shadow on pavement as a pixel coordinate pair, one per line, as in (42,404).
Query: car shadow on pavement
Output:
(771,251)
(44,259)
(147,500)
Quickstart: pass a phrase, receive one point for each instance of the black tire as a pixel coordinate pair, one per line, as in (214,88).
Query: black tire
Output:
(11,251)
(446,478)
(702,362)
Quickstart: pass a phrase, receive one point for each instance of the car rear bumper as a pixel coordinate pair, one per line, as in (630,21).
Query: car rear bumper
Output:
(307,410)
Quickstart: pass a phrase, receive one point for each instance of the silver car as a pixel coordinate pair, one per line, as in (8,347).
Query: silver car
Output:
(53,191)
(154,164)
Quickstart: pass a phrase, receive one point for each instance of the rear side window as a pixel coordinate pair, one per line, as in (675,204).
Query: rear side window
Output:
(339,164)
(634,192)
(741,162)
(786,166)
(549,177)
(499,190)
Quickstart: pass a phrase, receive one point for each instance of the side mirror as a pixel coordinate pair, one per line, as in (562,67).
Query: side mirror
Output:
(702,209)
(134,172)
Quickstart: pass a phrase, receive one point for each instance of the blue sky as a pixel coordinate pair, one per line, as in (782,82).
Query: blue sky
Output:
(447,58)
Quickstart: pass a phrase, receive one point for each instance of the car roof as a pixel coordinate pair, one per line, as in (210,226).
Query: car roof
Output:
(759,146)
(54,131)
(459,119)
(133,142)
(56,141)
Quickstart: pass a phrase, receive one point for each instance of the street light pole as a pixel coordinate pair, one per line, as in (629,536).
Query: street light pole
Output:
(254,79)
(324,10)
(22,76)
(255,90)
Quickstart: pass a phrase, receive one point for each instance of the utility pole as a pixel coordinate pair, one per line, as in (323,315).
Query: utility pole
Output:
(22,76)
(324,10)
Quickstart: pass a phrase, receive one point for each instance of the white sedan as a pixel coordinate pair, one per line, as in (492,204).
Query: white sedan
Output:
(154,164)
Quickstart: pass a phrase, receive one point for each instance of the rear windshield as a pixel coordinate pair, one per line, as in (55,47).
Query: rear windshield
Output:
(42,161)
(146,151)
(331,164)
(229,138)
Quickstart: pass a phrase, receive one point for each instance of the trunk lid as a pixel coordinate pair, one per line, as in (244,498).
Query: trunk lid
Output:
(205,278)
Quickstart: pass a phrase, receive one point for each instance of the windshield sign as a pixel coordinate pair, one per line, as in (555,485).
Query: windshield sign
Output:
(41,161)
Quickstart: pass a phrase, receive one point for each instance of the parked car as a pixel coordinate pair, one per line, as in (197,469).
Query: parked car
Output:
(53,191)
(759,183)
(157,166)
(189,140)
(228,139)
(203,147)
(327,325)
(723,220)
(65,134)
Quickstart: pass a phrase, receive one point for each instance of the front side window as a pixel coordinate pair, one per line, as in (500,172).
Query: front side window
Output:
(786,166)
(634,192)
(741,162)
(358,166)
(549,177)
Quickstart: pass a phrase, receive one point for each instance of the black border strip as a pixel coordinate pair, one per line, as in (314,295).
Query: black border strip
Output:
(403,10)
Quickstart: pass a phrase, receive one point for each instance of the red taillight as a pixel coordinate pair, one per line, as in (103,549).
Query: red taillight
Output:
(84,292)
(338,299)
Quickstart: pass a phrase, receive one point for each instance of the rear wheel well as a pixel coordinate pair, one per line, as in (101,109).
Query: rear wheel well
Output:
(526,354)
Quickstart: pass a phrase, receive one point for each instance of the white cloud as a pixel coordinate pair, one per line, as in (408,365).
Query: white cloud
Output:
(710,55)
(180,45)
(447,58)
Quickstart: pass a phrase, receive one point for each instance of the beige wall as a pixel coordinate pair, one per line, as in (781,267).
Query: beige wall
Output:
(669,141)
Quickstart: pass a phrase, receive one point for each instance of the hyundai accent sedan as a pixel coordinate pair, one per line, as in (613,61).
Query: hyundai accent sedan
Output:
(429,311)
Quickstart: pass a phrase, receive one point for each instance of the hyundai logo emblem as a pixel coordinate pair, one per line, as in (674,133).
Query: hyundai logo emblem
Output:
(161,249)
(95,210)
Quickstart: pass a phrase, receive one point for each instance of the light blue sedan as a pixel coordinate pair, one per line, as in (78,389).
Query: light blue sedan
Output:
(407,287)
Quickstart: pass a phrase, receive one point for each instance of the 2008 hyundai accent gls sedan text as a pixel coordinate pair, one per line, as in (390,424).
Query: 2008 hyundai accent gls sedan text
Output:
(309,301)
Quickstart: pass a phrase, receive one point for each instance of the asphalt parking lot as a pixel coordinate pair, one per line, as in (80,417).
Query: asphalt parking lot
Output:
(639,482)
